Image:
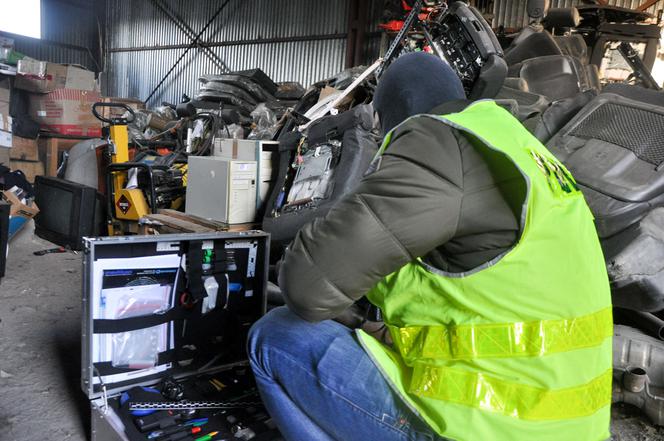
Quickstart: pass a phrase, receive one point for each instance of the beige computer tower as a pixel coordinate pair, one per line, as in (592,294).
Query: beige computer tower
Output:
(222,190)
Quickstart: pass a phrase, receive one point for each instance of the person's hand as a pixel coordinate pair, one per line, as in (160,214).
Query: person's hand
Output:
(379,331)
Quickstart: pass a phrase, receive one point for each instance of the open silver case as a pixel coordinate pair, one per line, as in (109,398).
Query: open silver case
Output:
(122,275)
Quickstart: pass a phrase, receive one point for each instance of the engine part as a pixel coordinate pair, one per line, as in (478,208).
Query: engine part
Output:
(638,371)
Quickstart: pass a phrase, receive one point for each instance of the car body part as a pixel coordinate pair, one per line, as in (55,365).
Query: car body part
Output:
(638,371)
(334,154)
(640,73)
(469,45)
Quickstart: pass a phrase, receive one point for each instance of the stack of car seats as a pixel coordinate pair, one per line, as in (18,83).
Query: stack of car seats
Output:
(548,72)
(244,91)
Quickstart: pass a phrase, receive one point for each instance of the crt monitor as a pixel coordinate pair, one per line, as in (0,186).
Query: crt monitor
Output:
(4,232)
(67,211)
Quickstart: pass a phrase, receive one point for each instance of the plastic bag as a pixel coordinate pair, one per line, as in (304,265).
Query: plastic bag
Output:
(140,349)
(265,122)
(231,131)
(166,112)
(138,125)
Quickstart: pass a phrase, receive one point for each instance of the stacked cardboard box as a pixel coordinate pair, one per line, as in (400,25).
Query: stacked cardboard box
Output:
(62,97)
(5,120)
(16,152)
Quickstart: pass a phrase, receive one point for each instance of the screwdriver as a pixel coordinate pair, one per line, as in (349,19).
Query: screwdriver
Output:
(207,437)
(178,428)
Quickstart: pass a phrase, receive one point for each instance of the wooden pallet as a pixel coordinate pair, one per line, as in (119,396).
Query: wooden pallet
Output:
(171,222)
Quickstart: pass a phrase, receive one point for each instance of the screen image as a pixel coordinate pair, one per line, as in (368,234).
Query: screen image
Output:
(57,202)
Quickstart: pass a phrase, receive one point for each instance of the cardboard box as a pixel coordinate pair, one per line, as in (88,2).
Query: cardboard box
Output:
(44,77)
(5,99)
(116,112)
(67,112)
(29,168)
(24,149)
(4,156)
(18,208)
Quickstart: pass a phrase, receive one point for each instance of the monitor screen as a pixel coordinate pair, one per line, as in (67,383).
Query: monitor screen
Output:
(55,209)
(4,231)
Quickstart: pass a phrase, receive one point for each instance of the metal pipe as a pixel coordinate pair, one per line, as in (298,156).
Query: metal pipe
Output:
(648,323)
(210,44)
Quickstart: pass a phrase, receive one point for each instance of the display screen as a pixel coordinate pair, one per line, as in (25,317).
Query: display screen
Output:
(55,209)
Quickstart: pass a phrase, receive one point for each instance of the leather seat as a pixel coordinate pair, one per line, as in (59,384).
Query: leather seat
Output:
(534,44)
(555,76)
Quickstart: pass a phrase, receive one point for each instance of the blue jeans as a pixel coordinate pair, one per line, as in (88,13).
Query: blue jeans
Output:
(319,384)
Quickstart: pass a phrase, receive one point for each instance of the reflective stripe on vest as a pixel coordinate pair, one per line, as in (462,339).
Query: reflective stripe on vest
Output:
(513,399)
(535,338)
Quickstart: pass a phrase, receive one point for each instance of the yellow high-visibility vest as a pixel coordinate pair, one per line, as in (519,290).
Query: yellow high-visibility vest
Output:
(519,348)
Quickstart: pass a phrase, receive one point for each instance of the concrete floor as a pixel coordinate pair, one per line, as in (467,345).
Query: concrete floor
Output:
(40,395)
(40,321)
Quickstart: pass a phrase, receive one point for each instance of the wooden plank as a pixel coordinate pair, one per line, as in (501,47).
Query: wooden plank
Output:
(51,157)
(52,147)
(211,224)
(243,227)
(178,224)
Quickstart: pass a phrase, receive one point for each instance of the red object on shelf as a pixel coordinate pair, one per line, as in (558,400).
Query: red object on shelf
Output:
(392,25)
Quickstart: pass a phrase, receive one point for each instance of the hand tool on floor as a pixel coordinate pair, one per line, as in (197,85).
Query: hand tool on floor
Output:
(50,251)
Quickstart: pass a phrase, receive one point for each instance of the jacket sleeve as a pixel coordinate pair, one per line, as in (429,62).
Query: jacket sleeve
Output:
(407,207)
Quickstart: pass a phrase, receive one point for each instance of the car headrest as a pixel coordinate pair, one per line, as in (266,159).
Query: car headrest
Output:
(562,18)
(536,9)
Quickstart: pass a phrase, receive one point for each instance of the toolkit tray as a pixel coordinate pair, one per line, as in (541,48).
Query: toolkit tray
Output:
(165,320)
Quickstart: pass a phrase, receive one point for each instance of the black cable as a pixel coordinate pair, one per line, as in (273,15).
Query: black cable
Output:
(191,45)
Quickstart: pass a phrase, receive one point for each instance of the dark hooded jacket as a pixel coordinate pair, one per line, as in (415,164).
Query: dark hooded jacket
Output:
(436,195)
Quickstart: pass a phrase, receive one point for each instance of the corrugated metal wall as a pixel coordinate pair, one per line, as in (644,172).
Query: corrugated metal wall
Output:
(296,40)
(69,34)
(512,13)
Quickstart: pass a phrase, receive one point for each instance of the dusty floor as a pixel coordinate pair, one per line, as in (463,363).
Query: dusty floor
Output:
(40,395)
(40,320)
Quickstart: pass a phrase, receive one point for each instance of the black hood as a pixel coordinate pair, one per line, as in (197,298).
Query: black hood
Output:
(413,84)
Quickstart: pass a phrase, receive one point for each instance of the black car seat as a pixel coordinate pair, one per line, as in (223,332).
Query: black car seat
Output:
(614,147)
(534,44)
(549,121)
(559,22)
(637,93)
(555,76)
(531,41)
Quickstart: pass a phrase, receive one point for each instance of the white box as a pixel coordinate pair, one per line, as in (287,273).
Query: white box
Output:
(222,190)
(263,152)
(5,139)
